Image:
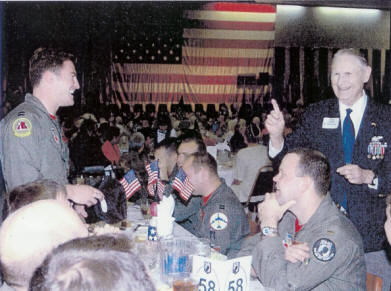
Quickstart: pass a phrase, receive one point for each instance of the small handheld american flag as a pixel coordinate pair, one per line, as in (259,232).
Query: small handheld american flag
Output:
(182,184)
(155,186)
(130,183)
(153,172)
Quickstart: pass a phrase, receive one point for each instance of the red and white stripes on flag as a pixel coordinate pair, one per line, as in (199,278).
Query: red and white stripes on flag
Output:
(155,186)
(130,183)
(221,42)
(183,185)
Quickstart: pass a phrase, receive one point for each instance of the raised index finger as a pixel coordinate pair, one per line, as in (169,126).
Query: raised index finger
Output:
(275,105)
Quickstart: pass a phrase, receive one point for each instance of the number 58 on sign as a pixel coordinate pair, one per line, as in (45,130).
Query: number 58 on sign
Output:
(215,275)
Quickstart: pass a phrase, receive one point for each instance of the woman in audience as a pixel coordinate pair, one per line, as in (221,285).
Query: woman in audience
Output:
(238,140)
(230,130)
(254,129)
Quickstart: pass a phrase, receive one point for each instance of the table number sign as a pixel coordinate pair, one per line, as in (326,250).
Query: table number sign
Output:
(215,275)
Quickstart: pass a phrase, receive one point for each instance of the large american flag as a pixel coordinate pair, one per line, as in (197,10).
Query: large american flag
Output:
(219,43)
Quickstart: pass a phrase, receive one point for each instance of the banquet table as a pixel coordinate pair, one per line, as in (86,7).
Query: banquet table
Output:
(227,173)
(225,167)
(136,219)
(134,215)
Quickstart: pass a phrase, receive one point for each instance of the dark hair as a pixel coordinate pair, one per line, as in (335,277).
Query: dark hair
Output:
(45,59)
(164,119)
(204,160)
(88,125)
(134,160)
(96,263)
(110,132)
(237,142)
(314,164)
(33,191)
(193,136)
(170,144)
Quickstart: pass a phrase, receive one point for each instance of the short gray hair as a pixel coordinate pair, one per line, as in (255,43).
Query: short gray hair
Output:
(352,52)
(136,141)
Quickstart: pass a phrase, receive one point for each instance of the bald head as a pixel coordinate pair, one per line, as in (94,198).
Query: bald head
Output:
(30,233)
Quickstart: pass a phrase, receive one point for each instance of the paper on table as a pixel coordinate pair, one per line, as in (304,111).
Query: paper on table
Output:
(212,150)
(223,275)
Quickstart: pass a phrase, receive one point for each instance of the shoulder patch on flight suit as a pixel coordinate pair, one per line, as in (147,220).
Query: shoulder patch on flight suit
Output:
(218,221)
(324,249)
(22,127)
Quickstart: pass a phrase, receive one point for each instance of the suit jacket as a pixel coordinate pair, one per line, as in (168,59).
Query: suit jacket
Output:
(365,206)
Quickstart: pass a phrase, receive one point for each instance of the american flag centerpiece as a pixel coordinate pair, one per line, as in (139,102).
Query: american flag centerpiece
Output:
(130,183)
(183,185)
(155,186)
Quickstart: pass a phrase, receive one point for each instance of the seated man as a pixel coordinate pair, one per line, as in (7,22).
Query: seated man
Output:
(30,233)
(40,190)
(101,263)
(220,217)
(314,246)
(34,191)
(170,159)
(248,162)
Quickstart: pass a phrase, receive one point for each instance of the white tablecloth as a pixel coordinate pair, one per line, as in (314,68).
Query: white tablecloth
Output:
(134,215)
(227,173)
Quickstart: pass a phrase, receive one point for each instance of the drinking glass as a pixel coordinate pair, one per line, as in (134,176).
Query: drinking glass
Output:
(145,208)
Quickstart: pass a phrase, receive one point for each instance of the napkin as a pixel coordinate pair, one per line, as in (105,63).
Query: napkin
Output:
(165,207)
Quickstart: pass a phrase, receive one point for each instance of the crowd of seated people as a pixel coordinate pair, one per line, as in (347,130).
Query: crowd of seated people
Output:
(101,137)
(87,137)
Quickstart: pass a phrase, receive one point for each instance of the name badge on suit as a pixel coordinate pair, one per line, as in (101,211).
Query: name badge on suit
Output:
(330,122)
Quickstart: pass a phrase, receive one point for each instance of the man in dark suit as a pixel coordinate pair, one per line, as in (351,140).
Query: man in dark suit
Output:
(360,162)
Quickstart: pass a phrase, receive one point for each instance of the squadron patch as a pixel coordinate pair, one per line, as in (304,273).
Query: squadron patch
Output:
(218,221)
(324,250)
(22,127)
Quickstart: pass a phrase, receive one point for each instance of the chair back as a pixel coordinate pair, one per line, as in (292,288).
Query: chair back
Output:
(138,107)
(150,107)
(262,184)
(162,108)
(198,108)
(374,283)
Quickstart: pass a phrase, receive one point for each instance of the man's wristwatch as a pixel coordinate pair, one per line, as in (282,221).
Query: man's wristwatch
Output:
(269,231)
